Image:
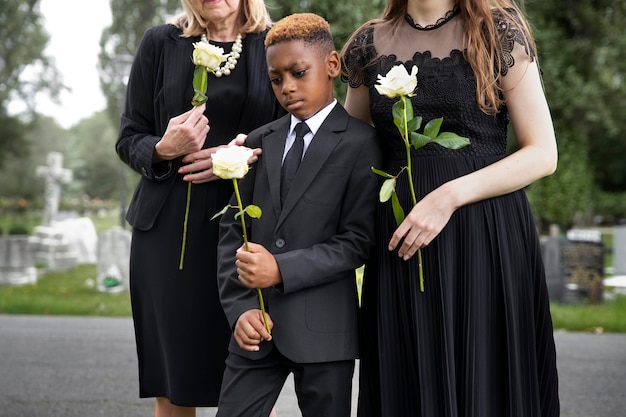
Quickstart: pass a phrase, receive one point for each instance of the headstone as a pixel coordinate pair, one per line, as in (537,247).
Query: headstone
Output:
(619,250)
(582,261)
(54,175)
(552,248)
(81,236)
(113,260)
(51,247)
(17,263)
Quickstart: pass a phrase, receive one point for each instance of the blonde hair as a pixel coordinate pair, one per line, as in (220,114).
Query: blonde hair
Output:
(254,18)
(483,47)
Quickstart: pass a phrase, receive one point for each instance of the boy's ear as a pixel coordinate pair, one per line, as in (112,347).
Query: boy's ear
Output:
(333,63)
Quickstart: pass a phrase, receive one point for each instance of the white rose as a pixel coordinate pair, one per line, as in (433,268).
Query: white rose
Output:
(397,82)
(207,55)
(231,162)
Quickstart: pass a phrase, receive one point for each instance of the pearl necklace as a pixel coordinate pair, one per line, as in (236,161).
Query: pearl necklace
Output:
(231,59)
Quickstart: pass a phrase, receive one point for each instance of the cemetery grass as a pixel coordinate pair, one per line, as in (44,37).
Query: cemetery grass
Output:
(64,293)
(74,293)
(609,316)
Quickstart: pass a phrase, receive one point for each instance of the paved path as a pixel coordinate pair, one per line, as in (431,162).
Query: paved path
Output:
(53,366)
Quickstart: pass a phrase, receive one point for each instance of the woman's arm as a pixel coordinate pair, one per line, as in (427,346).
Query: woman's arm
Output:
(536,158)
(358,103)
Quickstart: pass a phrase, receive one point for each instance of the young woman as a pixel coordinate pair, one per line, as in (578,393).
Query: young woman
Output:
(478,341)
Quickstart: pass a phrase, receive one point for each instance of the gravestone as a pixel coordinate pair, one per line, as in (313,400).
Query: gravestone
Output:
(582,261)
(51,247)
(82,237)
(619,250)
(552,247)
(113,260)
(53,175)
(17,263)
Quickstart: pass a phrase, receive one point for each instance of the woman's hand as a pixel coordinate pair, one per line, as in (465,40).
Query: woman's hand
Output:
(185,134)
(198,166)
(423,223)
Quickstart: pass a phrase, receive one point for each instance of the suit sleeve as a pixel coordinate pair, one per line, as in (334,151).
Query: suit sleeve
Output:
(138,136)
(235,297)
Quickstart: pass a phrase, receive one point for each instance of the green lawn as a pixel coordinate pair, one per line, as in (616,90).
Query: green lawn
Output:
(609,316)
(66,293)
(74,293)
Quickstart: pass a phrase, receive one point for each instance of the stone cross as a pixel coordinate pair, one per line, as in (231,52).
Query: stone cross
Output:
(54,175)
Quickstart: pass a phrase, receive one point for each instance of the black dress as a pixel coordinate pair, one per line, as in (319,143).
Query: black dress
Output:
(478,342)
(181,331)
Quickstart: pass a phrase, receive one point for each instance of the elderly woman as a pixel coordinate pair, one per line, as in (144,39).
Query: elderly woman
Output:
(181,331)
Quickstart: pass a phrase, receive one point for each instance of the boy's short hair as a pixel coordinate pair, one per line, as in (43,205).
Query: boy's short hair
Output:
(308,27)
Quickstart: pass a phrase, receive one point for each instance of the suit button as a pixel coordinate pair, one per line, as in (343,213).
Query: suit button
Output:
(280,243)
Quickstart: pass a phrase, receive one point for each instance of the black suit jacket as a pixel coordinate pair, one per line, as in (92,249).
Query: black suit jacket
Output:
(320,236)
(159,88)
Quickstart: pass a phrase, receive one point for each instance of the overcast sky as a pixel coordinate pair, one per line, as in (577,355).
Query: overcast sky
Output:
(75,27)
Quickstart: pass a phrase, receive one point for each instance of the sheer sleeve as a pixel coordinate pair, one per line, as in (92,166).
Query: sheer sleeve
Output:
(357,57)
(513,40)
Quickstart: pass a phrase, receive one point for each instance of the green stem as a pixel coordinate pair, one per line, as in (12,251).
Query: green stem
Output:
(407,145)
(184,244)
(245,243)
(242,217)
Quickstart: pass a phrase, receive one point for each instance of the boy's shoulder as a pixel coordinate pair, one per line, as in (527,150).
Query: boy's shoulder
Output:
(354,125)
(254,137)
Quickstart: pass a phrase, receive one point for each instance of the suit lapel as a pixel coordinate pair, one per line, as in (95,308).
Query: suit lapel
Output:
(324,142)
(273,145)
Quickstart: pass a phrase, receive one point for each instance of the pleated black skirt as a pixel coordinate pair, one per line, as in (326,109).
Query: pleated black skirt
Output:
(478,342)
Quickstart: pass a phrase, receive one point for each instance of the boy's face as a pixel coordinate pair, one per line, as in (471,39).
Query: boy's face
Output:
(301,77)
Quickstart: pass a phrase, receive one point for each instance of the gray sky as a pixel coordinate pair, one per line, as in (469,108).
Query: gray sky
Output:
(74,45)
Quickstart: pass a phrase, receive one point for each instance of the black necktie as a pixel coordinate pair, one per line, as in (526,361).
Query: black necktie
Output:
(292,160)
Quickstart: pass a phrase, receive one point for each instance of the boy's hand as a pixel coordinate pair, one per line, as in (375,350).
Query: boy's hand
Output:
(257,267)
(250,330)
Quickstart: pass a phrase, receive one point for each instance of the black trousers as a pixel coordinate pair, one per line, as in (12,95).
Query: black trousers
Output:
(250,388)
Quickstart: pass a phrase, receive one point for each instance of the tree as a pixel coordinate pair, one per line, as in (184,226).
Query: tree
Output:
(119,43)
(91,156)
(582,52)
(18,174)
(21,52)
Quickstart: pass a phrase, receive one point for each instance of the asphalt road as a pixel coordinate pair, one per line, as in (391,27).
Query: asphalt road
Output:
(53,366)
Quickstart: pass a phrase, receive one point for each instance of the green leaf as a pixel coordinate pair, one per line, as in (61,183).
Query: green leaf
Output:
(432,128)
(398,211)
(451,140)
(418,140)
(387,189)
(415,123)
(381,173)
(398,115)
(254,211)
(219,213)
(240,213)
(200,79)
(198,99)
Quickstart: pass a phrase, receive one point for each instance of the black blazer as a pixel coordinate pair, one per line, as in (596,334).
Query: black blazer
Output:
(159,88)
(321,235)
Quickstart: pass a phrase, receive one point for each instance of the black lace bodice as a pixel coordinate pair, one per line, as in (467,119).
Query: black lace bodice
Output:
(446,87)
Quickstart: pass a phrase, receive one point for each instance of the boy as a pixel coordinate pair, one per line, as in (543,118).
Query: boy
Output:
(307,246)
